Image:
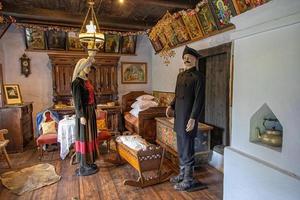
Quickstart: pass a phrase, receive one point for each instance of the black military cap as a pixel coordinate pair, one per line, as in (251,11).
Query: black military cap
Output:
(191,51)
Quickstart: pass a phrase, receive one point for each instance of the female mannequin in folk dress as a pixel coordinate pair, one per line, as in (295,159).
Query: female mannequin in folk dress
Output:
(86,128)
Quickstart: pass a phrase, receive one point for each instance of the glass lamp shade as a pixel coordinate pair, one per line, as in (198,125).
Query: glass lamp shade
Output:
(90,36)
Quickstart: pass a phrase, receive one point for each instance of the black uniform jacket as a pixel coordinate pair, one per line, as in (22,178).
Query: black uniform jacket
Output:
(80,96)
(189,98)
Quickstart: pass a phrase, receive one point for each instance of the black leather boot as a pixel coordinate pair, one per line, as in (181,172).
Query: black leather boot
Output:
(189,183)
(86,170)
(179,177)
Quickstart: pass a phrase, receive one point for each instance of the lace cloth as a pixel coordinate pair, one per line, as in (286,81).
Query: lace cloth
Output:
(66,135)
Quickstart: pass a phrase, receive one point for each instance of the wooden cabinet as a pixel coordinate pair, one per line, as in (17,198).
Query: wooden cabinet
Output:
(103,76)
(166,137)
(18,121)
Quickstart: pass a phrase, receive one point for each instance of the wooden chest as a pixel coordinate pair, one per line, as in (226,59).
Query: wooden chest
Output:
(166,137)
(18,121)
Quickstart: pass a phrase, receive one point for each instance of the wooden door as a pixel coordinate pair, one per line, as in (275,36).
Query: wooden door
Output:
(217,92)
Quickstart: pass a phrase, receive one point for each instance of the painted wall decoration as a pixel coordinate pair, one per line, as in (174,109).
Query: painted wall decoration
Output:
(133,72)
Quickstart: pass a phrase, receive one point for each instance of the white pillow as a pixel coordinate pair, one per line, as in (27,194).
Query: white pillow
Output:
(145,97)
(144,105)
(135,112)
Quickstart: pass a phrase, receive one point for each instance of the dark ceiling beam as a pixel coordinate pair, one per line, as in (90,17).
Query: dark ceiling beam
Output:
(170,4)
(51,17)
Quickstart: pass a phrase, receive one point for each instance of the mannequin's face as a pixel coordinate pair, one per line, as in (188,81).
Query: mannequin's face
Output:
(189,61)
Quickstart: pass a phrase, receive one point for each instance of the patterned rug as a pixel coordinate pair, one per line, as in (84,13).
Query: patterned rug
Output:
(29,178)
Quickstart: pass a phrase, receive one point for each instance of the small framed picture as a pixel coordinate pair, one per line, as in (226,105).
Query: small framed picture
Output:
(112,43)
(133,72)
(12,94)
(35,39)
(56,40)
(73,42)
(128,44)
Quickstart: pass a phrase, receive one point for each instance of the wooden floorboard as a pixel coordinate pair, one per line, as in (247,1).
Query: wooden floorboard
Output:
(107,184)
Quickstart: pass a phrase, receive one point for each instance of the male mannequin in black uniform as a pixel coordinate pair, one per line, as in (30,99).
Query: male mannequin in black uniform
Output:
(187,105)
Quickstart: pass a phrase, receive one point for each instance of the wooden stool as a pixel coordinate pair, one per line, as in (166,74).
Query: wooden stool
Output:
(3,144)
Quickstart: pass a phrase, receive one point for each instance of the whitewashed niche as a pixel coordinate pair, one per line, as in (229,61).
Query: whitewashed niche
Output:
(266,129)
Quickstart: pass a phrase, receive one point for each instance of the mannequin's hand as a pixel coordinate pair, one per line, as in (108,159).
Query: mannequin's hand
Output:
(169,111)
(82,121)
(190,125)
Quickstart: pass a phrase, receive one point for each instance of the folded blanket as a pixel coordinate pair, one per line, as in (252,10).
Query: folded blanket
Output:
(134,142)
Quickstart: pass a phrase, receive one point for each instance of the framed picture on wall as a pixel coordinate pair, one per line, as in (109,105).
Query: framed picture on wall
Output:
(56,40)
(128,44)
(133,72)
(12,94)
(112,43)
(222,10)
(35,39)
(73,42)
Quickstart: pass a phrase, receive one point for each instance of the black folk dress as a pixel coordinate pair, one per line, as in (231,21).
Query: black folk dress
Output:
(84,100)
(187,103)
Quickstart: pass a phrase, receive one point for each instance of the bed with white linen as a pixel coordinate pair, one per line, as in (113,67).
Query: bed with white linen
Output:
(142,123)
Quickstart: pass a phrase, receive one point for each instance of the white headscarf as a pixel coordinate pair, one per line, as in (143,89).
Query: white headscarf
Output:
(83,63)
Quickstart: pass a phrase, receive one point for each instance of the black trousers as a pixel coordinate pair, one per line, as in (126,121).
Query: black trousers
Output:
(186,148)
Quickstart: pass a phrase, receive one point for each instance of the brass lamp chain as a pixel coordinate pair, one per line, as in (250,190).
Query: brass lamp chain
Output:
(84,22)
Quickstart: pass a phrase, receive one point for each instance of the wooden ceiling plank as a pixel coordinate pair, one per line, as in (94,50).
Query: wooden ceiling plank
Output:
(165,3)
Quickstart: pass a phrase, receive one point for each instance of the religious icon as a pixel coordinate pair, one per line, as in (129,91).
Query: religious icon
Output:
(112,43)
(192,25)
(180,29)
(206,19)
(222,10)
(35,38)
(128,44)
(56,40)
(73,41)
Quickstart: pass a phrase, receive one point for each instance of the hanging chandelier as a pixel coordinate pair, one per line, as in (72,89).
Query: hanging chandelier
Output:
(90,36)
